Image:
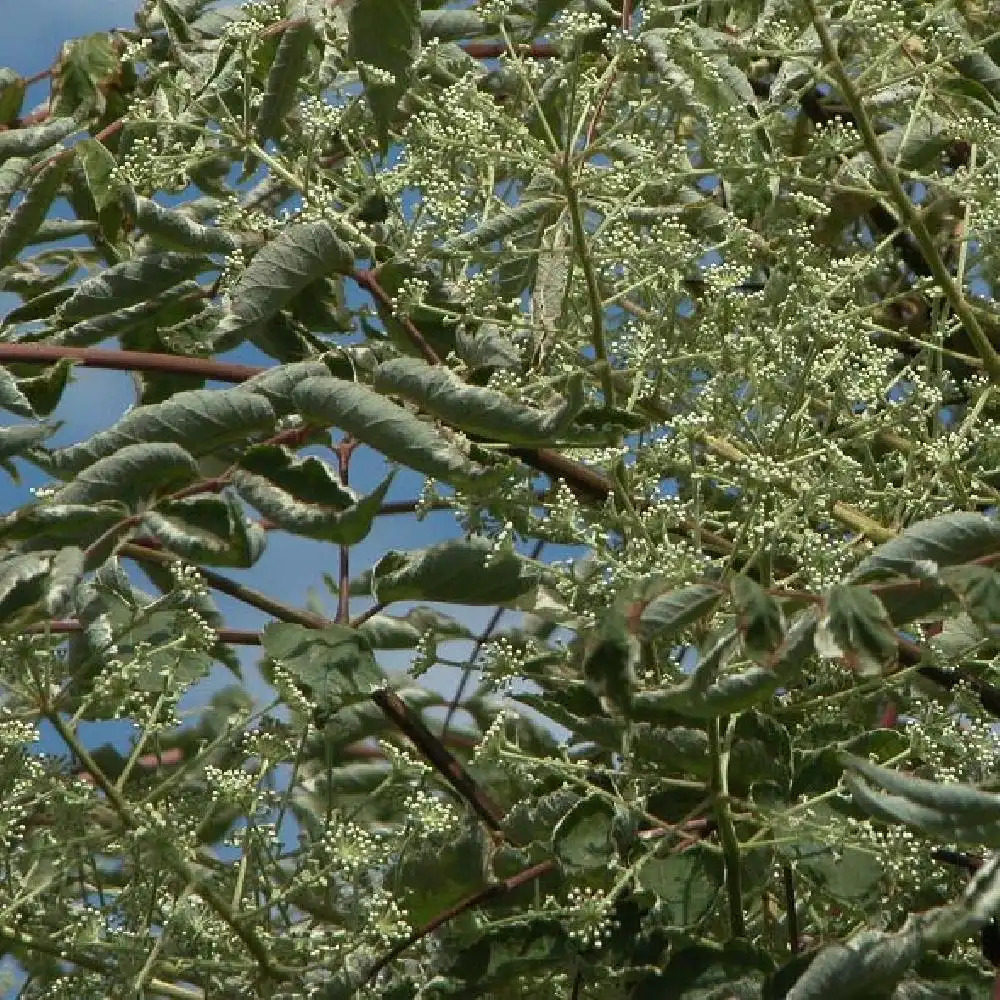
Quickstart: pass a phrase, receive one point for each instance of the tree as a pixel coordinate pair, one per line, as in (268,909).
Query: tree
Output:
(703,292)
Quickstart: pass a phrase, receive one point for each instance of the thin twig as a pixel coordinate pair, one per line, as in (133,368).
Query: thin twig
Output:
(114,798)
(438,754)
(597,336)
(470,663)
(904,205)
(791,913)
(727,832)
(470,902)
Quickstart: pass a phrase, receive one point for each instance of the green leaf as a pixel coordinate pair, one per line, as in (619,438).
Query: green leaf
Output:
(405,631)
(733,693)
(177,230)
(98,167)
(761,751)
(502,224)
(959,637)
(45,391)
(133,473)
(918,143)
(36,138)
(85,67)
(672,750)
(715,78)
(277,384)
(63,229)
(687,885)
(584,837)
(531,820)
(450,25)
(12,175)
(384,426)
(23,580)
(334,665)
(798,646)
(962,801)
(307,480)
(957,537)
(297,256)
(66,569)
(946,827)
(354,524)
(502,954)
(384,35)
(867,967)
(342,518)
(978,588)
(130,282)
(466,571)
(870,963)
(213,530)
(123,321)
(21,438)
(200,421)
(177,27)
(610,657)
(291,62)
(819,771)
(55,524)
(667,615)
(12,89)
(699,969)
(759,619)
(487,348)
(478,411)
(845,873)
(433,876)
(12,398)
(22,223)
(729,694)
(856,629)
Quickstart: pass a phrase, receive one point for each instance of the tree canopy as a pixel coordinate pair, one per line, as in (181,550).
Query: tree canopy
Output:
(671,327)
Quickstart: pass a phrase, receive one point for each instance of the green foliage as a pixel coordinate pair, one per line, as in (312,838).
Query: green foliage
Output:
(702,294)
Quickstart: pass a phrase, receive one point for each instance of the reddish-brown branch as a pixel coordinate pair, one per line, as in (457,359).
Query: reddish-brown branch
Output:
(394,708)
(368,280)
(463,906)
(443,760)
(128,361)
(105,133)
(39,76)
